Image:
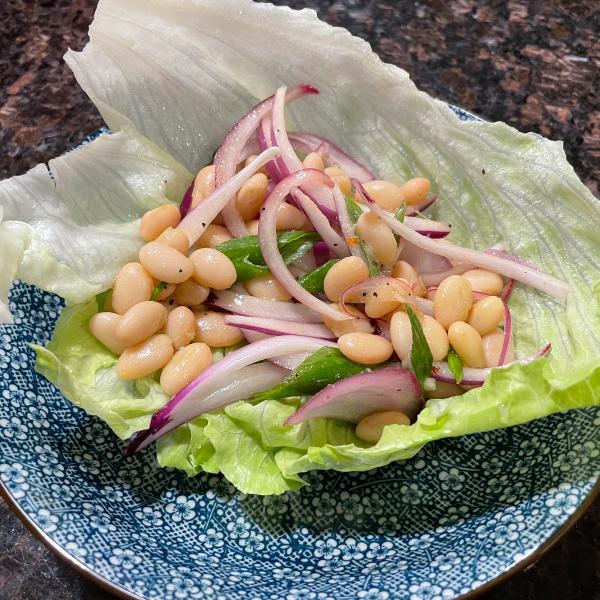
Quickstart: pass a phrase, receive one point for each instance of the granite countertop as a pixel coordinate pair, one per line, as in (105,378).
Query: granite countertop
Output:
(535,65)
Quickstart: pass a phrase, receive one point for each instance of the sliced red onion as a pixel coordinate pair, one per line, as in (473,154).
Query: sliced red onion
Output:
(286,361)
(431,229)
(227,156)
(428,227)
(278,327)
(418,208)
(222,392)
(434,279)
(265,140)
(507,335)
(357,396)
(308,263)
(337,244)
(244,304)
(422,261)
(221,384)
(289,162)
(186,201)
(507,290)
(267,237)
(541,281)
(359,292)
(382,328)
(476,377)
(197,220)
(516,259)
(321,254)
(308,142)
(346,225)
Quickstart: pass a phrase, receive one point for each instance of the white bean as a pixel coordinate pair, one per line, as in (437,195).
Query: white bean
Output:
(339,328)
(213,236)
(266,286)
(252,196)
(290,218)
(452,300)
(387,194)
(176,238)
(166,263)
(341,178)
(378,237)
(492,346)
(365,348)
(103,327)
(382,301)
(405,271)
(145,358)
(213,269)
(370,429)
(467,344)
(181,326)
(133,284)
(184,367)
(155,221)
(313,160)
(190,293)
(212,330)
(343,274)
(140,322)
(204,184)
(484,281)
(486,314)
(415,190)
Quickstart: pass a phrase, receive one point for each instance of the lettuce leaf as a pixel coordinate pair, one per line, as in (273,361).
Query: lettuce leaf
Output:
(69,227)
(182,74)
(85,372)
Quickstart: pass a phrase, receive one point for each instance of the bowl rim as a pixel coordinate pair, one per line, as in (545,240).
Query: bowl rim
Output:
(124,594)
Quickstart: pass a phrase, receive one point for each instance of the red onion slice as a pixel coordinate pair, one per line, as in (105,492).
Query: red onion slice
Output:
(227,156)
(541,281)
(278,327)
(418,208)
(434,279)
(267,237)
(226,390)
(516,259)
(507,290)
(212,388)
(186,201)
(244,304)
(197,220)
(422,261)
(357,396)
(348,231)
(286,361)
(476,377)
(320,222)
(289,162)
(308,142)
(431,229)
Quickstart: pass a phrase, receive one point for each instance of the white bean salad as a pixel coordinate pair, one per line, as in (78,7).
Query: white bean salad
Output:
(286,245)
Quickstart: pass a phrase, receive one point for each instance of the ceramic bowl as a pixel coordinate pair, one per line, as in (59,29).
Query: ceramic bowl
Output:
(461,514)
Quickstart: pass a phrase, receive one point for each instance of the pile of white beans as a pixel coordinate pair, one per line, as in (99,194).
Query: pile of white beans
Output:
(175,333)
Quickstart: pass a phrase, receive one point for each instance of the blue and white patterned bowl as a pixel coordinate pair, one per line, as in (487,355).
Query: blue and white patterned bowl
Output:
(460,514)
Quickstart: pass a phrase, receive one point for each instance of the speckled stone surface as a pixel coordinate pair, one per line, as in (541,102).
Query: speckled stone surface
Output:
(533,64)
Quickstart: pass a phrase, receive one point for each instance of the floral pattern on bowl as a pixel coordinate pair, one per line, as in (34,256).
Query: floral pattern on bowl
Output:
(435,527)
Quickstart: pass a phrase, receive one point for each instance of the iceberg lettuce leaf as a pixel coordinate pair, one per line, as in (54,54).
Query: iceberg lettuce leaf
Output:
(69,227)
